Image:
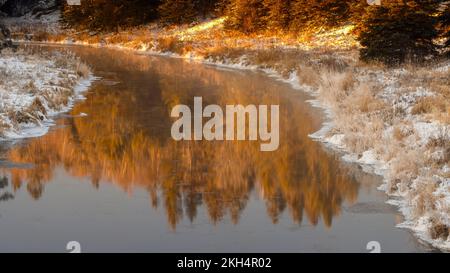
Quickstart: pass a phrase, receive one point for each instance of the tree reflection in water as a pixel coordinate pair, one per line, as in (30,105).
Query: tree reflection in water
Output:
(126,141)
(5,195)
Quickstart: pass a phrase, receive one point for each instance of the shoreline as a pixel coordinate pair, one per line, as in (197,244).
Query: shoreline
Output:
(55,83)
(30,131)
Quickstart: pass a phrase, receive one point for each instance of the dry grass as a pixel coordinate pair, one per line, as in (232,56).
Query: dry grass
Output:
(31,87)
(3,127)
(439,141)
(171,44)
(360,135)
(429,105)
(117,38)
(57,74)
(437,106)
(364,100)
(439,230)
(308,76)
(223,54)
(363,116)
(283,61)
(398,133)
(82,69)
(407,165)
(334,87)
(441,145)
(332,63)
(423,199)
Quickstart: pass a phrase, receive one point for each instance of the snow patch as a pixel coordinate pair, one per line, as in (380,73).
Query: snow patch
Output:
(34,89)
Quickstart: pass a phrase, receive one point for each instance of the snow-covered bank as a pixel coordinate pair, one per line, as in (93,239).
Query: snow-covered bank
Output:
(393,122)
(393,136)
(34,87)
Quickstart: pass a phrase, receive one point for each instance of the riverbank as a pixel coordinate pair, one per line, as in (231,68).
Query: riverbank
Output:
(36,86)
(392,121)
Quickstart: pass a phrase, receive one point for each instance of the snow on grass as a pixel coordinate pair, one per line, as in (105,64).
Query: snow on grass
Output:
(34,87)
(30,23)
(394,135)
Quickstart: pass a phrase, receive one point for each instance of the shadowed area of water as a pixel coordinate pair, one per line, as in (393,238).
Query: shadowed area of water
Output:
(115,180)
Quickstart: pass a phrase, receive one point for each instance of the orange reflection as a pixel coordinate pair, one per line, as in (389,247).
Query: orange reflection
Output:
(126,141)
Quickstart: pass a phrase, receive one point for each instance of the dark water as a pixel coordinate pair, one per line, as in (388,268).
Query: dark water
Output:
(116,181)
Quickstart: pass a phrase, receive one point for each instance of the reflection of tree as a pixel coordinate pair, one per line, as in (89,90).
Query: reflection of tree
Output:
(4,196)
(126,140)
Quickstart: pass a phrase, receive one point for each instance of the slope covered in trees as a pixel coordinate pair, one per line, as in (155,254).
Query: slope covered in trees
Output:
(391,33)
(245,15)
(111,14)
(290,15)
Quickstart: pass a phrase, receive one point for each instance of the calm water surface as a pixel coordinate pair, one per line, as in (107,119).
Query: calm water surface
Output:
(114,180)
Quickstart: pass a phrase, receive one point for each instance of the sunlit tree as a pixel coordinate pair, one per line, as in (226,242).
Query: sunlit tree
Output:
(246,15)
(277,13)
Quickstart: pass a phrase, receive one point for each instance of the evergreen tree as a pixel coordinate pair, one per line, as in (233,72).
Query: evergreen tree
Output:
(221,7)
(445,26)
(322,13)
(205,8)
(277,13)
(358,10)
(77,16)
(109,14)
(177,11)
(399,29)
(332,12)
(301,14)
(246,15)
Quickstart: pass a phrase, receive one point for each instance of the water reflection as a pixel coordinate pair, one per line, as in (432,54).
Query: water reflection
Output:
(5,195)
(125,140)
